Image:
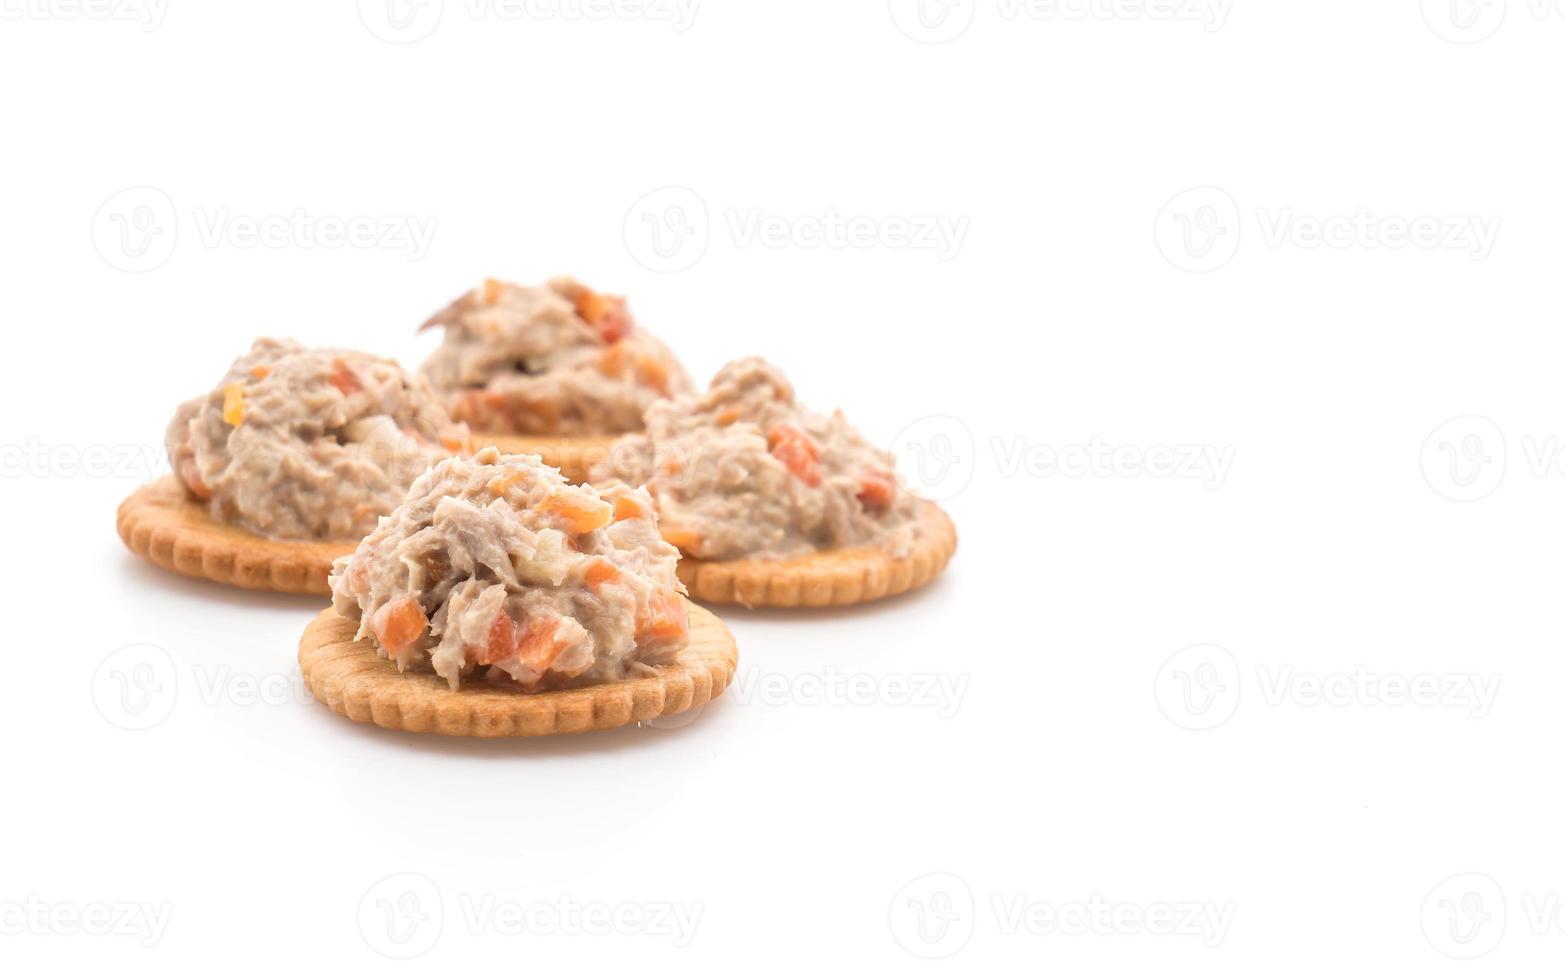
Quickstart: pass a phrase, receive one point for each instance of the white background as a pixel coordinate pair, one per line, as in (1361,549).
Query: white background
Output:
(1339,542)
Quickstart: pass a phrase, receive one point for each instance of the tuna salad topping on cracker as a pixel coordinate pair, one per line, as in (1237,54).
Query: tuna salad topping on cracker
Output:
(306,443)
(496,566)
(743,471)
(557,360)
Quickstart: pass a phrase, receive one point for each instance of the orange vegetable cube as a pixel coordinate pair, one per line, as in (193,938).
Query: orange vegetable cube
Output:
(628,509)
(607,314)
(493,288)
(664,619)
(581,513)
(499,642)
(343,378)
(796,451)
(653,371)
(500,484)
(537,646)
(234,405)
(877,489)
(686,540)
(399,624)
(599,573)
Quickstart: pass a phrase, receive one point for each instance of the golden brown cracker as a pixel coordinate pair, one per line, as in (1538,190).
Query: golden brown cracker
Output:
(840,577)
(352,678)
(572,455)
(164,524)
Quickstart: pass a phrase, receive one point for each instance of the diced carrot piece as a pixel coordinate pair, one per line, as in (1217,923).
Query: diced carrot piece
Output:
(600,572)
(399,624)
(612,360)
(234,405)
(455,440)
(798,452)
(536,646)
(590,306)
(672,466)
(728,416)
(606,314)
(684,539)
(343,378)
(260,371)
(499,642)
(877,489)
(628,509)
(653,371)
(581,515)
(500,484)
(493,288)
(665,619)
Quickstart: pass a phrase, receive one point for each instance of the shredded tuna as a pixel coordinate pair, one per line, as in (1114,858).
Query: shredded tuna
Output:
(495,566)
(558,359)
(743,471)
(309,443)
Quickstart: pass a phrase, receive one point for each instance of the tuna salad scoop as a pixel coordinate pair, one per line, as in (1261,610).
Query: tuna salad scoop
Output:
(557,359)
(496,566)
(743,471)
(308,443)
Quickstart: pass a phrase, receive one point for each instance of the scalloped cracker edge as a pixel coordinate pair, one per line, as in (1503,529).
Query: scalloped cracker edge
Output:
(165,525)
(351,678)
(840,577)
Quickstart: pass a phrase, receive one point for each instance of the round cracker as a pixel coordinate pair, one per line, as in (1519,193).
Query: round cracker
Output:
(352,678)
(164,524)
(571,455)
(839,577)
